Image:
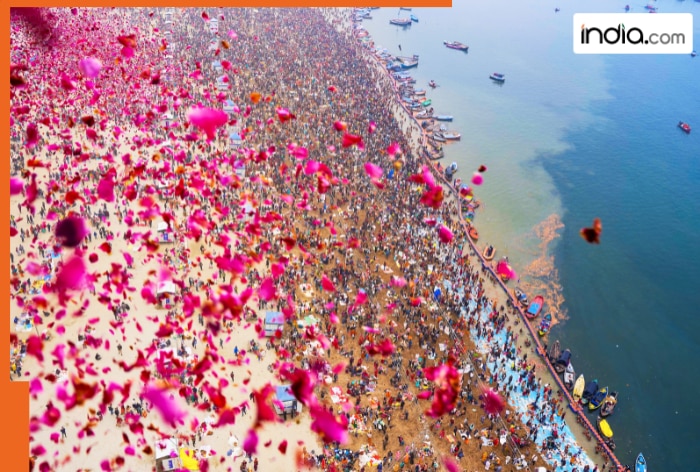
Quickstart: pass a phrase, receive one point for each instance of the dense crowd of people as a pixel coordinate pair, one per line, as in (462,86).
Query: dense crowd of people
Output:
(298,95)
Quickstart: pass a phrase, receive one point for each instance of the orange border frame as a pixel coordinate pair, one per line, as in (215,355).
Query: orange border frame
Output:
(15,395)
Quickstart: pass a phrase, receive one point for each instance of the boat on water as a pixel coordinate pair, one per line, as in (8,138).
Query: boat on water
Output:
(406,8)
(562,361)
(489,252)
(684,126)
(432,84)
(545,324)
(456,45)
(553,350)
(414,18)
(589,390)
(627,8)
(497,77)
(641,464)
(400,21)
(535,307)
(444,117)
(578,388)
(604,428)
(609,405)
(597,400)
(420,92)
(424,115)
(650,7)
(569,376)
(452,136)
(473,233)
(522,298)
(693,53)
(438,137)
(450,171)
(426,103)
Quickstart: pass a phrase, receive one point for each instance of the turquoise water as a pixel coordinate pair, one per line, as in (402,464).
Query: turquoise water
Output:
(585,137)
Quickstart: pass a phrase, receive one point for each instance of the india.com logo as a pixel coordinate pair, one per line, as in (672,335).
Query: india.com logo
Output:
(628,36)
(613,33)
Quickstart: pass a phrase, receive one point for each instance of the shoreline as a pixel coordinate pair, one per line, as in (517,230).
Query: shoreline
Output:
(582,430)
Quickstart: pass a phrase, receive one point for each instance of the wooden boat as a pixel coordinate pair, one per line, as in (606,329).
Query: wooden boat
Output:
(424,115)
(578,388)
(693,54)
(589,390)
(443,117)
(684,126)
(452,136)
(497,77)
(545,324)
(473,233)
(569,376)
(414,18)
(419,92)
(400,21)
(553,351)
(609,405)
(535,307)
(438,137)
(604,428)
(489,252)
(597,400)
(456,45)
(432,84)
(641,464)
(562,361)
(426,103)
(521,297)
(406,8)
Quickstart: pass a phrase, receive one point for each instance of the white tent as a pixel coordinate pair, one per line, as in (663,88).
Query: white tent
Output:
(167,288)
(167,457)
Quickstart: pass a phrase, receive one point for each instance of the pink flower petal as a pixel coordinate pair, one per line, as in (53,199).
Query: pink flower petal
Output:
(90,67)
(164,402)
(330,427)
(445,234)
(250,443)
(374,171)
(327,284)
(267,290)
(207,119)
(16,186)
(105,189)
(71,231)
(72,275)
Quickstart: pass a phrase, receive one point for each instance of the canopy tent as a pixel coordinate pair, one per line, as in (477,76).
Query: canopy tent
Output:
(165,234)
(167,288)
(307,321)
(229,107)
(166,293)
(274,320)
(286,402)
(235,139)
(167,455)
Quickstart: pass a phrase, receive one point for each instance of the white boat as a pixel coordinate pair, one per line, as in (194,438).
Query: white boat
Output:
(569,376)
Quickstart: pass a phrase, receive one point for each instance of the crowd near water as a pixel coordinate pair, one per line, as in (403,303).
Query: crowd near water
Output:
(393,297)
